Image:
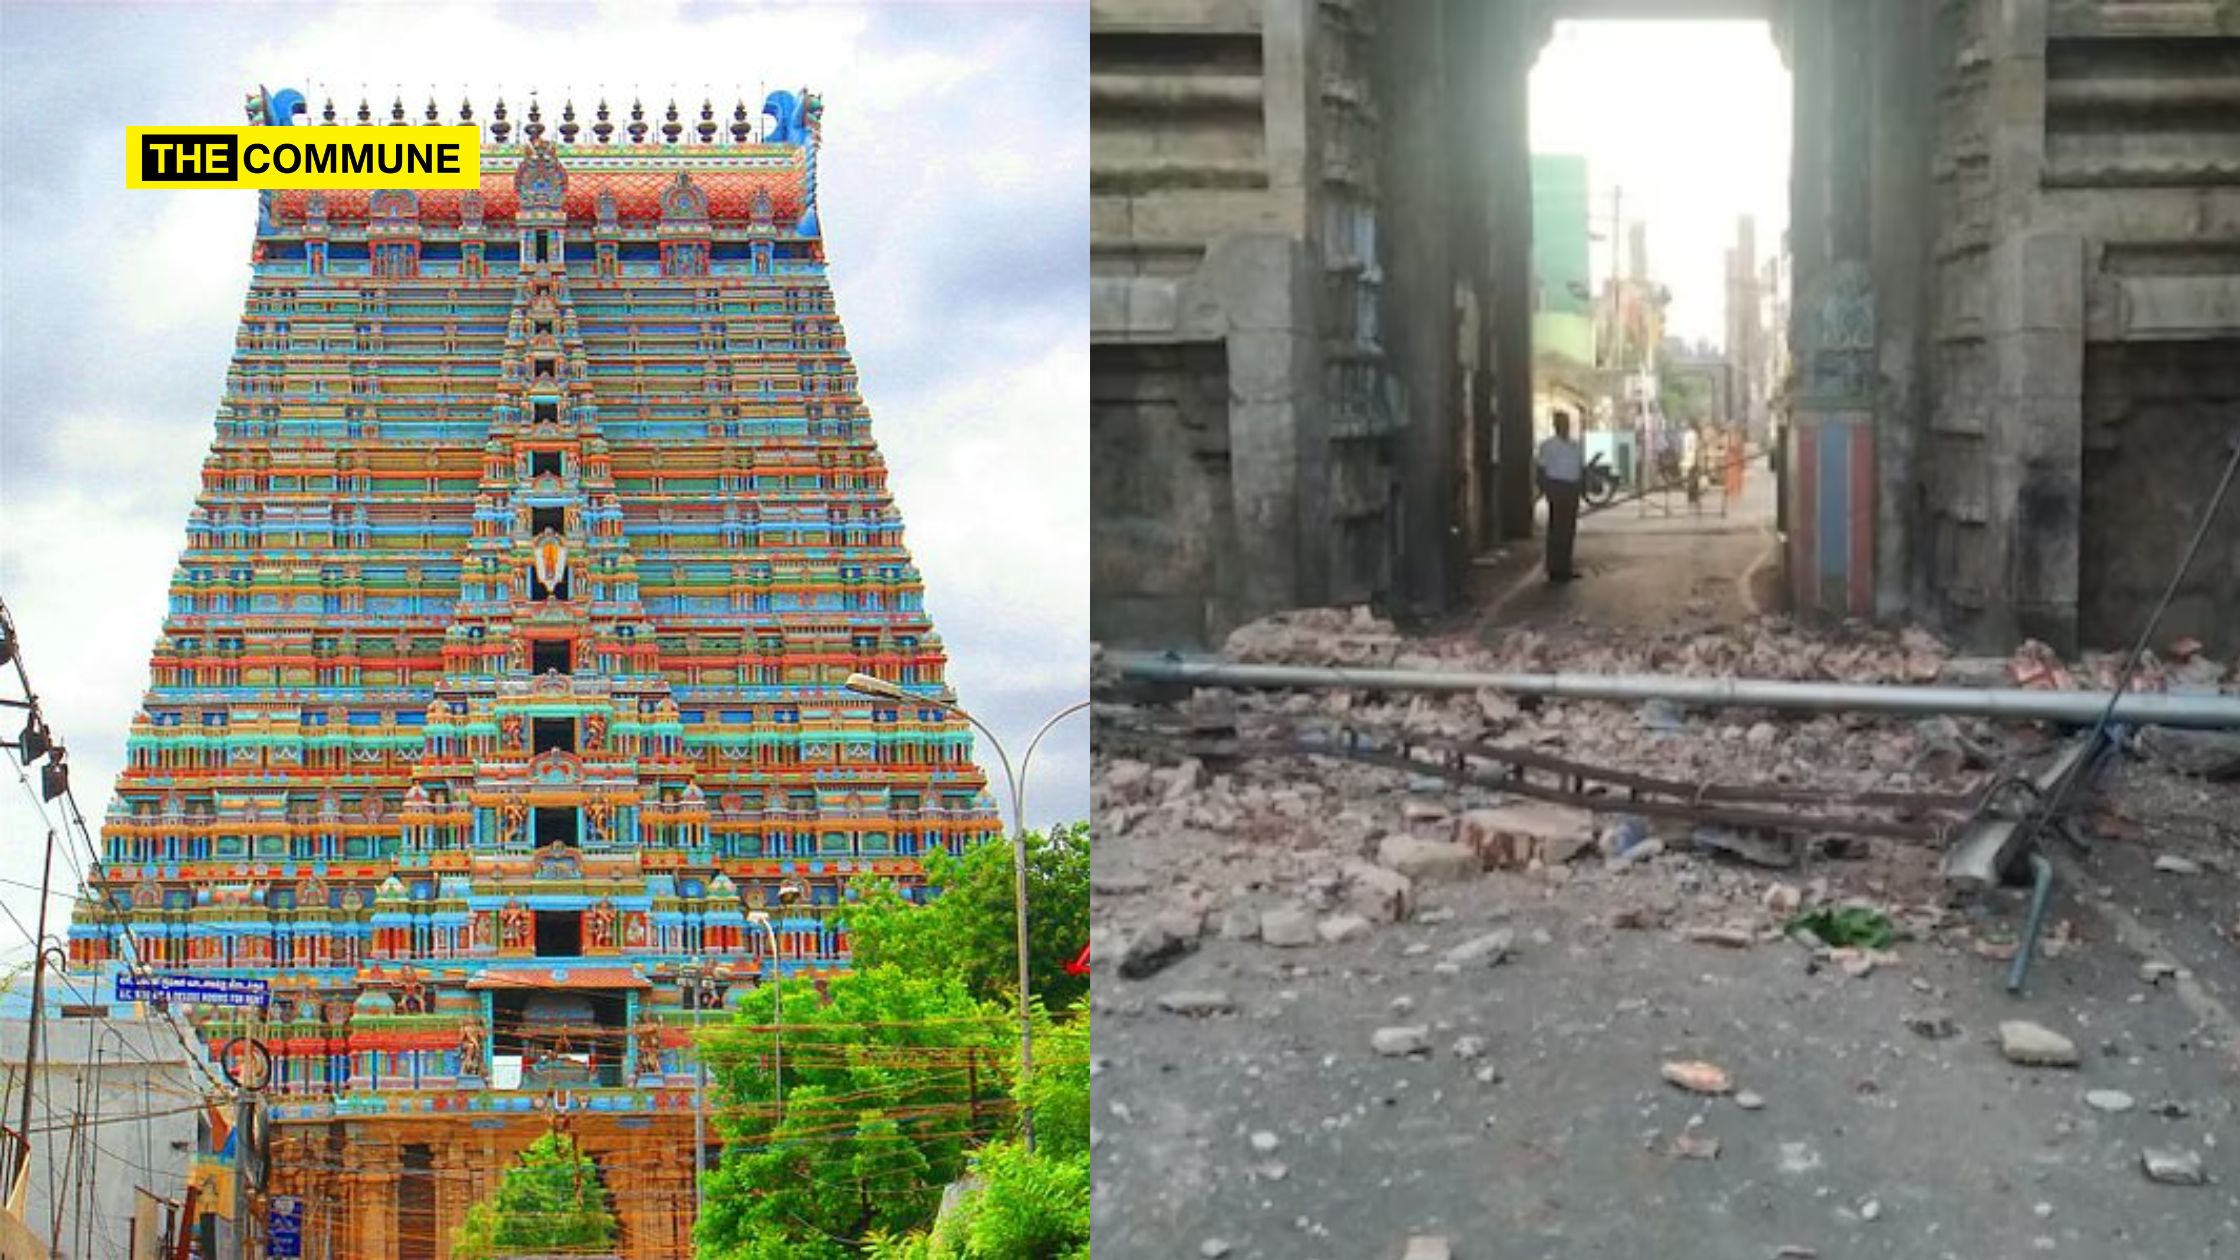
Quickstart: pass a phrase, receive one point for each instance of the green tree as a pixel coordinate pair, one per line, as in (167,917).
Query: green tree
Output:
(550,1201)
(972,927)
(1020,1204)
(880,1111)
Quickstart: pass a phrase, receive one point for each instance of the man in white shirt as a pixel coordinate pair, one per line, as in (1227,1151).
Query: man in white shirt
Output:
(1560,465)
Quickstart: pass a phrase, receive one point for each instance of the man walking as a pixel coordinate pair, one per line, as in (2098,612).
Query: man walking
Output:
(1560,466)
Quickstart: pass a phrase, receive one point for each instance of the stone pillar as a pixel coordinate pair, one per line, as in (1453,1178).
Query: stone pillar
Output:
(1830,477)
(1418,155)
(1902,144)
(373,1198)
(1502,130)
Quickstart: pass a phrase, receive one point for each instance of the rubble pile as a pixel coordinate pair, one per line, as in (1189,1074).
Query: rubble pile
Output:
(1298,851)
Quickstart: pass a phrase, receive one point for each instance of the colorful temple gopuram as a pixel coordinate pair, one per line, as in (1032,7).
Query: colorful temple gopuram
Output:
(500,695)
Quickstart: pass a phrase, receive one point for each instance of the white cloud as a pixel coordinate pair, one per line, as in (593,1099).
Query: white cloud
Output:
(944,124)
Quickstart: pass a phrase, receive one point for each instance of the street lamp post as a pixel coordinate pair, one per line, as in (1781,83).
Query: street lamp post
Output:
(869,685)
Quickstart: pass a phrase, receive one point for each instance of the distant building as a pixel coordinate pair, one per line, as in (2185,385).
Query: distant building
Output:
(114,1113)
(1563,313)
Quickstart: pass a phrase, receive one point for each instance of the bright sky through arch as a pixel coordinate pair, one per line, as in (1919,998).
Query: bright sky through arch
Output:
(1692,121)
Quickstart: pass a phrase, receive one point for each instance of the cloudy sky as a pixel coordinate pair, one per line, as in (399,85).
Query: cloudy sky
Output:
(953,186)
(1689,121)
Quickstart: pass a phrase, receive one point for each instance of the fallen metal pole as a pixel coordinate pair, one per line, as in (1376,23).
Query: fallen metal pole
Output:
(2041,888)
(1988,702)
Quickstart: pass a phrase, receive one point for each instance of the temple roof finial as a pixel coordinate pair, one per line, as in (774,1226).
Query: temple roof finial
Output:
(365,113)
(433,118)
(707,127)
(396,112)
(568,127)
(637,127)
(670,127)
(499,127)
(741,129)
(602,129)
(535,129)
(327,114)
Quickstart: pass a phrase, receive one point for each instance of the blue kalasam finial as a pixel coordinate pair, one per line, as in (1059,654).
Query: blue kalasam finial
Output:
(787,124)
(285,105)
(812,125)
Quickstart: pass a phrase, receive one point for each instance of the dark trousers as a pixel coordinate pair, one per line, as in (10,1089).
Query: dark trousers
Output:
(1563,524)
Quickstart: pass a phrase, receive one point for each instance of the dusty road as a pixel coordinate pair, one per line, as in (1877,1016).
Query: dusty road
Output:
(1872,1140)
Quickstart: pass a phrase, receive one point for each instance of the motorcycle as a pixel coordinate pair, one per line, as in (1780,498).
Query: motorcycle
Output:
(1598,486)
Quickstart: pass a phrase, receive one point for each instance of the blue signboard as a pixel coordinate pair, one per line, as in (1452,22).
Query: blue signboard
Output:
(215,990)
(284,1229)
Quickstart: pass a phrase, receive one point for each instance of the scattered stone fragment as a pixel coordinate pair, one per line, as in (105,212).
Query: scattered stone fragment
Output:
(1796,1251)
(2173,1167)
(1487,950)
(1196,1002)
(2157,972)
(1401,1039)
(1934,1025)
(2172,864)
(1429,861)
(1856,963)
(1691,1146)
(1749,1100)
(1511,837)
(2111,1100)
(1762,735)
(1402,1005)
(1871,1210)
(1342,927)
(1240,923)
(1168,937)
(1427,1247)
(2034,1045)
(1469,1047)
(1287,927)
(1782,899)
(1698,1077)
(1265,1142)
(1379,893)
(1729,937)
(1214,1248)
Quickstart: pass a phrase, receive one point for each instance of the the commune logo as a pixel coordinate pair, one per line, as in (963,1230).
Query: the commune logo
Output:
(303,157)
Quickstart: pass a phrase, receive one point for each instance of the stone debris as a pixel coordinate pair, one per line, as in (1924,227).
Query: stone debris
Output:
(1402,1039)
(1315,636)
(1379,892)
(1168,937)
(1698,1077)
(1469,1047)
(1196,1002)
(1429,861)
(1727,937)
(2109,1100)
(1240,923)
(1490,949)
(1287,927)
(1512,837)
(1214,1248)
(1936,1025)
(2172,864)
(1689,1145)
(1750,1100)
(1265,1142)
(2034,1045)
(1342,927)
(1427,1247)
(2173,1167)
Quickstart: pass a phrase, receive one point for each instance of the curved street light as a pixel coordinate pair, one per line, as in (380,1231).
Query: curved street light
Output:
(871,685)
